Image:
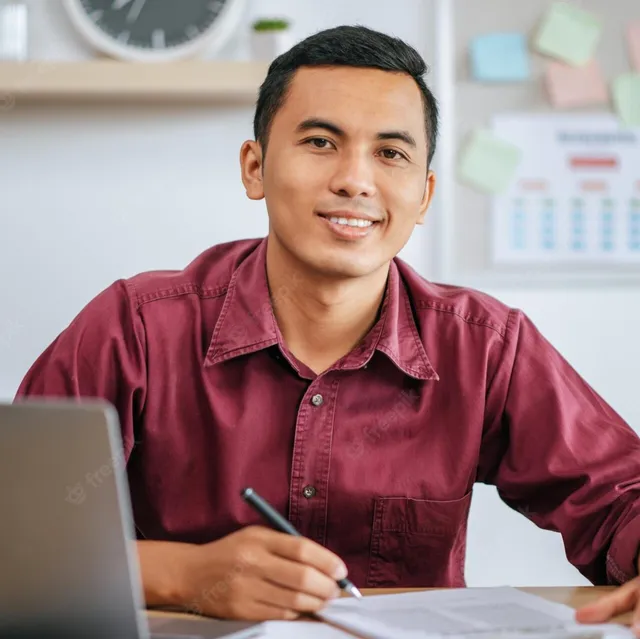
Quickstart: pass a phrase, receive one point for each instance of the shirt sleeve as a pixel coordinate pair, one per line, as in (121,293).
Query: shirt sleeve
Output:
(101,354)
(561,456)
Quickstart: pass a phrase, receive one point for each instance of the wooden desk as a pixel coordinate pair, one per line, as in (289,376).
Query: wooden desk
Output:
(571,596)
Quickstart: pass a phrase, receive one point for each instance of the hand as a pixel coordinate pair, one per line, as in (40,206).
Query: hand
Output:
(626,598)
(259,574)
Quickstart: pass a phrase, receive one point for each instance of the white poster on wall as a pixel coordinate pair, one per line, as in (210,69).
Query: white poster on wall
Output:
(576,194)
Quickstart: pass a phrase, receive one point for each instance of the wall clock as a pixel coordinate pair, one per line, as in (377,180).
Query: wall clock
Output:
(155,30)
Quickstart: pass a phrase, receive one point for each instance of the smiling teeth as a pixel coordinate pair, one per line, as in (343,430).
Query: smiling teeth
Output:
(351,221)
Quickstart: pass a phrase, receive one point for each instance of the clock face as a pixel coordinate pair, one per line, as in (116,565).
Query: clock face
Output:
(154,25)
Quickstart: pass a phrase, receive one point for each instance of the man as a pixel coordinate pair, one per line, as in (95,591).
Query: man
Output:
(361,400)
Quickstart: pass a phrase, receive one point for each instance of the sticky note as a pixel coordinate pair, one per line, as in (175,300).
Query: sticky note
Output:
(488,162)
(569,86)
(500,57)
(626,98)
(633,39)
(569,34)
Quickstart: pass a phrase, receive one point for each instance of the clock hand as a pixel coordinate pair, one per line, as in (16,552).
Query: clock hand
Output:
(119,4)
(135,10)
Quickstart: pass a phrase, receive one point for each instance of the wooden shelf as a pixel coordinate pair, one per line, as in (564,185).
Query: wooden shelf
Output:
(187,81)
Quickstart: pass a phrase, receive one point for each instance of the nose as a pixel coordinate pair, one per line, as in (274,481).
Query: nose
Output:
(354,176)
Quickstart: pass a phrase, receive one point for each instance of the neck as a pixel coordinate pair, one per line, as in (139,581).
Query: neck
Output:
(321,318)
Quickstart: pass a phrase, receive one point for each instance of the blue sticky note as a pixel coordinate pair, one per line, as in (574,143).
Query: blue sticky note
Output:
(500,57)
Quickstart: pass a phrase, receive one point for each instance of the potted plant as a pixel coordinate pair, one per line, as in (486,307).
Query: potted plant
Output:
(269,38)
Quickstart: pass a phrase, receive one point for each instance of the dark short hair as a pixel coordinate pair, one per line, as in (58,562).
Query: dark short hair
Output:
(352,46)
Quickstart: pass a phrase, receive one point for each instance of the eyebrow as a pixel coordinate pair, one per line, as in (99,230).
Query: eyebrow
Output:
(318,123)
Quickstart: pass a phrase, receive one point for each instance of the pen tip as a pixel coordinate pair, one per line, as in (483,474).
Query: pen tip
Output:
(352,590)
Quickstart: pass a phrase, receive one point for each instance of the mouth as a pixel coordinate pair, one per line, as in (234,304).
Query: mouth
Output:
(349,225)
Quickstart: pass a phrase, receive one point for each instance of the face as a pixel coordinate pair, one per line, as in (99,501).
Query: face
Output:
(345,174)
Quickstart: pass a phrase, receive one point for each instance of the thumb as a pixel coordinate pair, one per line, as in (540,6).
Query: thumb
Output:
(621,600)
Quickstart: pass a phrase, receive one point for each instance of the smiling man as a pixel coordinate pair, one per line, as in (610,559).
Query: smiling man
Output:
(361,400)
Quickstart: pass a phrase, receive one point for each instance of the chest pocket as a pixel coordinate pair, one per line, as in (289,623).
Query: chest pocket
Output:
(418,542)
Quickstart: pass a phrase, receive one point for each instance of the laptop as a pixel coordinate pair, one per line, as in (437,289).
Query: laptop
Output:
(68,562)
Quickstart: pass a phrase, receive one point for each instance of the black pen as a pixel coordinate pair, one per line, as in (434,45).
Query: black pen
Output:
(274,518)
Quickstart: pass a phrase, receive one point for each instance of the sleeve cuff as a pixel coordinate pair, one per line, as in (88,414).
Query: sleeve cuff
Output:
(622,558)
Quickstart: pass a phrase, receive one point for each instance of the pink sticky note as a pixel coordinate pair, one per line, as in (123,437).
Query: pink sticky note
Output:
(570,86)
(633,36)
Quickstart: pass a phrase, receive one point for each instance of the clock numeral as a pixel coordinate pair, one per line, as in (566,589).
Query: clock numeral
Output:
(124,36)
(96,15)
(158,39)
(192,31)
(216,5)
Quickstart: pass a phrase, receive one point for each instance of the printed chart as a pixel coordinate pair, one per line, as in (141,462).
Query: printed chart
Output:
(575,196)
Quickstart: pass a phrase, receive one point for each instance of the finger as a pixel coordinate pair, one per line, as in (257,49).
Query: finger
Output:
(621,600)
(273,595)
(308,552)
(635,622)
(297,577)
(258,611)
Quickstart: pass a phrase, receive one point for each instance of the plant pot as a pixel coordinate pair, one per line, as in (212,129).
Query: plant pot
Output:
(267,45)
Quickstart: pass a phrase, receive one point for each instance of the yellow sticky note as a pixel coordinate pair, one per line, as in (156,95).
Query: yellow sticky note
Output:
(489,163)
(569,34)
(626,98)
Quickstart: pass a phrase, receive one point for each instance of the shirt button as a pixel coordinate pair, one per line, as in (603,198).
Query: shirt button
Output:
(309,492)
(317,400)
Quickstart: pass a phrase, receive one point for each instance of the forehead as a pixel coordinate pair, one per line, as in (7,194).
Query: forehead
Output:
(355,99)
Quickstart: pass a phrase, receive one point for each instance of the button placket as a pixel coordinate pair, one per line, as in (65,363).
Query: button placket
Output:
(311,459)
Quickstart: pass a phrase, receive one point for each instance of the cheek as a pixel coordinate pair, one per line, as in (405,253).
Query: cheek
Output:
(402,193)
(292,179)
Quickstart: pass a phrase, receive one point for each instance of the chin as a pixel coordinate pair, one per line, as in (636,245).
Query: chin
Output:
(344,267)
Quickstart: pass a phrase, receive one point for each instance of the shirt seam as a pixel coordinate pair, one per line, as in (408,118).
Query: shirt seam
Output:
(401,364)
(510,321)
(616,572)
(336,384)
(612,565)
(500,329)
(412,326)
(241,350)
(214,347)
(168,293)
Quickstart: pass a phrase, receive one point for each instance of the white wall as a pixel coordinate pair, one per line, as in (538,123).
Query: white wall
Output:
(88,195)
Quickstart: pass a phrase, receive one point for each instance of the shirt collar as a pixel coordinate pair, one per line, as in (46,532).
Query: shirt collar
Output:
(395,334)
(247,324)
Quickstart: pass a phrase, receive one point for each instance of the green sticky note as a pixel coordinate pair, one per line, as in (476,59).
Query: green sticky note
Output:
(569,34)
(488,162)
(626,98)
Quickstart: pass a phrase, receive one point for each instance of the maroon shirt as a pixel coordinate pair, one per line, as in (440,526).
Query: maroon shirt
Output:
(376,457)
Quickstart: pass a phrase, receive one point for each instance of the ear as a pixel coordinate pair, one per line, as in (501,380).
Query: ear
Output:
(251,168)
(429,189)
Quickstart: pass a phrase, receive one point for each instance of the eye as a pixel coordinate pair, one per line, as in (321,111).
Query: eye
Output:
(319,143)
(392,154)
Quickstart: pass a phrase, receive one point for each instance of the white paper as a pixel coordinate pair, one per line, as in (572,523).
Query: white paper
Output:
(304,629)
(475,613)
(576,193)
